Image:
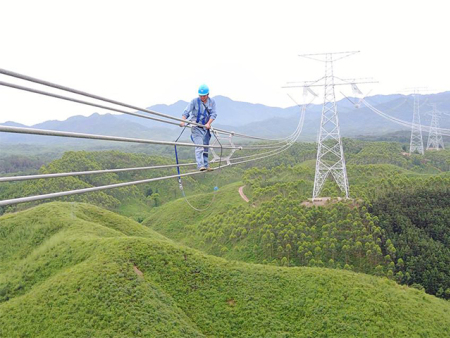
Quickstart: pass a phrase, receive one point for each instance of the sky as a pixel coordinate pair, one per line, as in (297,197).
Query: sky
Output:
(159,52)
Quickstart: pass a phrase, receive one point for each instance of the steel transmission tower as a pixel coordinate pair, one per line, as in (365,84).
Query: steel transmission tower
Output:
(330,154)
(435,141)
(416,143)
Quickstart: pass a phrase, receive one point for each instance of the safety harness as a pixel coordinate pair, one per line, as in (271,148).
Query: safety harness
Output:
(206,114)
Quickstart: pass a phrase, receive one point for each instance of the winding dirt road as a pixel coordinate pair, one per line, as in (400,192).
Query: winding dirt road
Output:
(241,192)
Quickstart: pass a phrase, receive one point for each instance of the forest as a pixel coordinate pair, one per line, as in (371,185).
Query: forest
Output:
(395,224)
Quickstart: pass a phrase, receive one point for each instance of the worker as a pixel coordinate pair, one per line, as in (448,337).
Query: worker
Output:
(202,110)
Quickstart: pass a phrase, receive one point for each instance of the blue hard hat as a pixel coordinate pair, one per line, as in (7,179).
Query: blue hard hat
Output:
(203,90)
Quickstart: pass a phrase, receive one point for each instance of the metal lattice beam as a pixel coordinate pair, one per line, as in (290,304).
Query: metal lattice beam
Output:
(330,154)
(416,143)
(435,140)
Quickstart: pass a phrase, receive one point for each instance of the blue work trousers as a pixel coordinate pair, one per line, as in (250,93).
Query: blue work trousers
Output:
(201,136)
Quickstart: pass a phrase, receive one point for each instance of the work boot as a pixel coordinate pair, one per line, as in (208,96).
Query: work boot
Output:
(209,169)
(202,169)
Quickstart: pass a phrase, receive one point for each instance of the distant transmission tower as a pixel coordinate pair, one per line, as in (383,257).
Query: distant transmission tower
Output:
(330,154)
(416,143)
(435,141)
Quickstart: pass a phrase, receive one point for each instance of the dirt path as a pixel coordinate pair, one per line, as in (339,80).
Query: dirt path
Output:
(241,192)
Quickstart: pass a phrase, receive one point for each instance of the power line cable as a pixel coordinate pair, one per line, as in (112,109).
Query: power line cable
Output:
(78,92)
(117,185)
(66,98)
(124,184)
(287,142)
(91,172)
(33,131)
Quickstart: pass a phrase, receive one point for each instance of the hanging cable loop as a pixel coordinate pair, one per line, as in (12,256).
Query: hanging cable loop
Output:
(180,182)
(278,147)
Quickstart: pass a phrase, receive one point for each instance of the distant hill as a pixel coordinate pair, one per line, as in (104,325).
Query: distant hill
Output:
(249,118)
(107,124)
(231,113)
(74,270)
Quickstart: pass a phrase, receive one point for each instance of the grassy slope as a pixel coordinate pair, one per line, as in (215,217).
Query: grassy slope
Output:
(68,269)
(178,221)
(174,218)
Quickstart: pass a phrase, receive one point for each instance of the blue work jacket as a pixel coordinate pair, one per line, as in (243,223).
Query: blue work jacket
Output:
(192,110)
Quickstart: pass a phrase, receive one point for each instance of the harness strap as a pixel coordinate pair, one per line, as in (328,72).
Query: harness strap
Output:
(205,114)
(199,110)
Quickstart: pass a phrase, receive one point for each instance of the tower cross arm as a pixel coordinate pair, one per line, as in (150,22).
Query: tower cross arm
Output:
(326,57)
(321,85)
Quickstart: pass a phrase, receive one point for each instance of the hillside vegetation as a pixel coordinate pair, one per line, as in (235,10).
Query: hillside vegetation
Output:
(75,270)
(134,201)
(363,234)
(278,267)
(417,219)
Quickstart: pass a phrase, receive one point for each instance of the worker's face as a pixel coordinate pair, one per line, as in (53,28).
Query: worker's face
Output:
(204,98)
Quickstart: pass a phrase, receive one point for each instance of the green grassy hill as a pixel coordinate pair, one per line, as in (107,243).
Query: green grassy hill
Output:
(74,270)
(175,219)
(369,234)
(279,232)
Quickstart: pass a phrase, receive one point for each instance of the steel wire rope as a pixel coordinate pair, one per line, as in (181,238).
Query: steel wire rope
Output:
(263,153)
(86,190)
(444,131)
(117,185)
(66,98)
(293,138)
(124,184)
(32,90)
(90,172)
(384,115)
(78,135)
(425,128)
(78,92)
(283,141)
(262,147)
(33,131)
(43,132)
(282,148)
(105,187)
(102,137)
(268,152)
(269,155)
(403,122)
(391,118)
(120,185)
(256,145)
(405,100)
(273,152)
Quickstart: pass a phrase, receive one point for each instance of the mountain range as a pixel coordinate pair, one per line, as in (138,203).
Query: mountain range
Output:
(244,117)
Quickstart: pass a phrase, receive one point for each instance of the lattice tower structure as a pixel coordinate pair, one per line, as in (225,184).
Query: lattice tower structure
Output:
(330,154)
(435,140)
(416,143)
